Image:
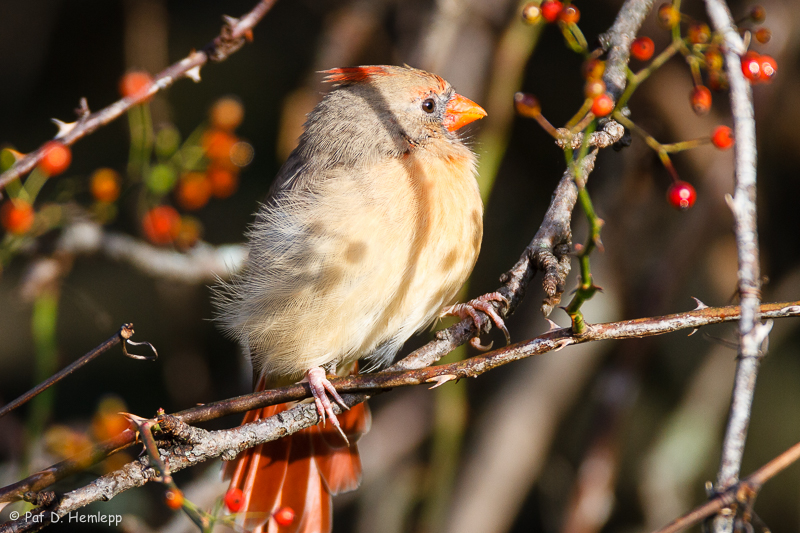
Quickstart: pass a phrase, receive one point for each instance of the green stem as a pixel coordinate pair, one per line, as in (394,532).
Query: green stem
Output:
(636,79)
(43,329)
(587,288)
(33,185)
(141,130)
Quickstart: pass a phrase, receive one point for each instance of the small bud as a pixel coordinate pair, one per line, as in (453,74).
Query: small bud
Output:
(527,105)
(531,13)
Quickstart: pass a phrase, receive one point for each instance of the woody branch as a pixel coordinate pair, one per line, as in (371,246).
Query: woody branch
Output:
(231,38)
(752,332)
(199,445)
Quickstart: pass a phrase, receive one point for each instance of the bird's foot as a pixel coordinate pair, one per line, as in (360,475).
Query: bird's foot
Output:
(481,303)
(320,389)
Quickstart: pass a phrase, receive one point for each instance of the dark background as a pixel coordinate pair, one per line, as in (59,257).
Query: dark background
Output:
(634,428)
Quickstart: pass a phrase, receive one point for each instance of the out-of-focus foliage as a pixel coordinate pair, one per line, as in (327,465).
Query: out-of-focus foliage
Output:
(633,428)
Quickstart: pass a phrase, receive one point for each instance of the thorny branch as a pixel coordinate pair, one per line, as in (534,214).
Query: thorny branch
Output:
(231,38)
(743,493)
(199,445)
(752,331)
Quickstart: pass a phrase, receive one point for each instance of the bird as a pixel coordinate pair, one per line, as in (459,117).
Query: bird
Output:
(370,229)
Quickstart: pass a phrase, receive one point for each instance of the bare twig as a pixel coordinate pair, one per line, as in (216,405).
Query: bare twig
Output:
(617,42)
(123,335)
(202,264)
(752,332)
(230,39)
(206,445)
(743,492)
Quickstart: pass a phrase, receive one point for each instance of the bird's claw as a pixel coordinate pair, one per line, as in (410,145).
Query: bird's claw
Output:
(320,388)
(481,303)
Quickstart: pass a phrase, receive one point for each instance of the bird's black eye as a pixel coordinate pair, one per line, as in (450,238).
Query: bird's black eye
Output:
(428,105)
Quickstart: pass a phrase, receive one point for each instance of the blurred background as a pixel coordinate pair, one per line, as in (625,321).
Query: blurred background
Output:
(611,436)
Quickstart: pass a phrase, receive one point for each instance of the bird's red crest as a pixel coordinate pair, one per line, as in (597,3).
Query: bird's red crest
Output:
(353,74)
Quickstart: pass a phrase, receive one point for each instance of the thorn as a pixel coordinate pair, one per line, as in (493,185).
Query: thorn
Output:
(695,330)
(230,21)
(83,109)
(562,343)
(441,380)
(63,127)
(194,74)
(553,325)
(700,305)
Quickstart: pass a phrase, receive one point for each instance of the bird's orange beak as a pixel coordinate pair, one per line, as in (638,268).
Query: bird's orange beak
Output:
(461,111)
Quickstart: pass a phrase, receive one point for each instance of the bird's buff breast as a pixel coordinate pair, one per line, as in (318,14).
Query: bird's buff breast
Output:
(385,251)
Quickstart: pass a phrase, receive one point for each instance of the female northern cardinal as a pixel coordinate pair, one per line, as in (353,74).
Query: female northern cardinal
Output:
(372,226)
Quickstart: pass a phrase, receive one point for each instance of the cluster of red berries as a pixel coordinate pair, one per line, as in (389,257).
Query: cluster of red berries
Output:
(551,11)
(234,500)
(758,68)
(225,154)
(17,214)
(595,87)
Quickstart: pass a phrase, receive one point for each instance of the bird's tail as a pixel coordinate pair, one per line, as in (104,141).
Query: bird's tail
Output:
(301,471)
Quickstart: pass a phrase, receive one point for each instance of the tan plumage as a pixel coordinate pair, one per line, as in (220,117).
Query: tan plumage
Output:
(369,231)
(372,226)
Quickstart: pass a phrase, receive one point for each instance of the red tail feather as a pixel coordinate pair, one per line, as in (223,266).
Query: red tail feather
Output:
(301,471)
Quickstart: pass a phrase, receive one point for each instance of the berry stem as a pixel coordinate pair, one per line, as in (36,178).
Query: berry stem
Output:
(587,288)
(636,79)
(579,119)
(654,144)
(33,185)
(574,37)
(694,66)
(676,29)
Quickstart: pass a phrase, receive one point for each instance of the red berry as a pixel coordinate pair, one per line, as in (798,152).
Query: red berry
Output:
(701,100)
(699,33)
(713,59)
(174,499)
(105,185)
(722,137)
(161,224)
(594,88)
(763,35)
(602,105)
(593,69)
(135,83)
(234,499)
(56,158)
(284,516)
(751,67)
(717,80)
(768,68)
(570,15)
(17,216)
(194,191)
(668,16)
(642,48)
(224,182)
(681,195)
(758,14)
(551,9)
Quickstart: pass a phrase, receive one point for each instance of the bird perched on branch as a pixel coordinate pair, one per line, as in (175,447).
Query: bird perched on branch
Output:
(371,227)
